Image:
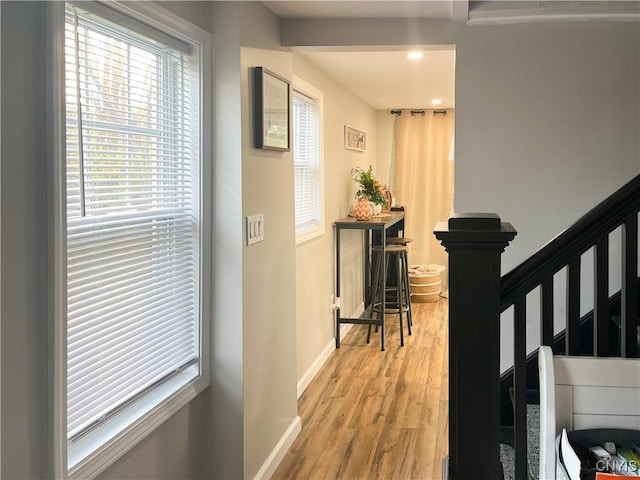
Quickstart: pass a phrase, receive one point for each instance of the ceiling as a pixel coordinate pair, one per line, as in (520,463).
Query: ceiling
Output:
(443,9)
(472,11)
(387,80)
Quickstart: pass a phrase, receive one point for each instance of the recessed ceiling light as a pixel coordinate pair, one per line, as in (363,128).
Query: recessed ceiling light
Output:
(436,101)
(415,55)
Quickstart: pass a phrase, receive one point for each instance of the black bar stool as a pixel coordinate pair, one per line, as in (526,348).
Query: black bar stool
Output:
(399,241)
(404,241)
(400,299)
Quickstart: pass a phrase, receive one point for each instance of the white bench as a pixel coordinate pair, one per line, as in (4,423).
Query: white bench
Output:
(584,392)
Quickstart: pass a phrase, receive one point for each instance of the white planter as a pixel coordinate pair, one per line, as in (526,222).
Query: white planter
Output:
(375,208)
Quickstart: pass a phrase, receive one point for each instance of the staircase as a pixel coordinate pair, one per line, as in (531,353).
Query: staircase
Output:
(507,453)
(475,242)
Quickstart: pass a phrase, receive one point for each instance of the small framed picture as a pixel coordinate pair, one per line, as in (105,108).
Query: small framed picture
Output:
(271,99)
(355,139)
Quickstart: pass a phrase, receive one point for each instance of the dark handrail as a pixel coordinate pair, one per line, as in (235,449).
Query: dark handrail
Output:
(575,240)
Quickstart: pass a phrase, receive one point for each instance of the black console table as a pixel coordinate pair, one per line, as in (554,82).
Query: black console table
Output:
(380,224)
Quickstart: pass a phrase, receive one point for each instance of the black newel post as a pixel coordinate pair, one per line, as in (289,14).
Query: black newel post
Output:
(475,242)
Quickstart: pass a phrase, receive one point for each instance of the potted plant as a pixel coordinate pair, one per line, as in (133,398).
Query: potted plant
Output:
(370,188)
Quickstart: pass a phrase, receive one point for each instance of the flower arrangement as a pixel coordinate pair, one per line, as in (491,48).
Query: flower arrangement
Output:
(369,186)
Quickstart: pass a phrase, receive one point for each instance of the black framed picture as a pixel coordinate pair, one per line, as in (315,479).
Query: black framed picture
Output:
(271,99)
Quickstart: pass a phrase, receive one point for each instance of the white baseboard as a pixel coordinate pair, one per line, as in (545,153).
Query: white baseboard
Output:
(315,367)
(274,459)
(277,454)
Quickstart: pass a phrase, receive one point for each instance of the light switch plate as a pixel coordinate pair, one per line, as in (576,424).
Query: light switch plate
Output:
(255,228)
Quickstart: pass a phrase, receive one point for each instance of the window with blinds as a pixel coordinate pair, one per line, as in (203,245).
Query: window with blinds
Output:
(133,215)
(307,161)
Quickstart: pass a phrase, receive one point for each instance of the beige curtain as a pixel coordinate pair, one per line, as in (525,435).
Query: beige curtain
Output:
(423,180)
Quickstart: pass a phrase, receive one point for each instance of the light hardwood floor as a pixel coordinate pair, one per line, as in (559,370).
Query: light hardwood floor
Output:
(377,415)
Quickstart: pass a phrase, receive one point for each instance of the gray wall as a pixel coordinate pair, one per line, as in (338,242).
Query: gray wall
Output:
(556,103)
(547,117)
(173,450)
(23,296)
(547,125)
(223,417)
(229,430)
(546,122)
(269,267)
(204,439)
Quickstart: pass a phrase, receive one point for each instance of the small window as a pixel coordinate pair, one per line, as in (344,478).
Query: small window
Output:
(307,160)
(133,231)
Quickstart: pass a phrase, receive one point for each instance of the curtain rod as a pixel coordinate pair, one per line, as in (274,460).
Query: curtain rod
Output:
(419,112)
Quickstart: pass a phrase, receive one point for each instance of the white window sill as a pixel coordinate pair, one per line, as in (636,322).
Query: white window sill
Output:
(310,234)
(93,453)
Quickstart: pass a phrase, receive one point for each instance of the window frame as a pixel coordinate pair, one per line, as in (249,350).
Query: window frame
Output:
(304,88)
(144,416)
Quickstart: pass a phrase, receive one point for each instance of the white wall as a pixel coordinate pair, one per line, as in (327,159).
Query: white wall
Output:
(384,145)
(315,258)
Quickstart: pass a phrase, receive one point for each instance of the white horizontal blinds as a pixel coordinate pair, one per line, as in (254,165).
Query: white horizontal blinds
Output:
(306,161)
(133,238)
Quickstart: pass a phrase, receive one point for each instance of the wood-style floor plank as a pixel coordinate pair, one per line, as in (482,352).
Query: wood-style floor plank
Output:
(377,415)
